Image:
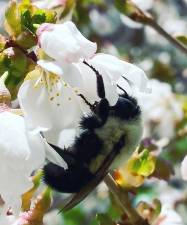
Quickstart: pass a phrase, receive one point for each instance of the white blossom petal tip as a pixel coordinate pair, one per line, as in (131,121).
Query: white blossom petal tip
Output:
(116,68)
(64,42)
(53,156)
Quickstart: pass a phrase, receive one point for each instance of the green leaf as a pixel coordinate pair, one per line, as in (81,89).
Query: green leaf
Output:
(2,42)
(74,216)
(182,39)
(142,164)
(12,19)
(26,20)
(104,219)
(26,40)
(125,7)
(22,17)
(16,63)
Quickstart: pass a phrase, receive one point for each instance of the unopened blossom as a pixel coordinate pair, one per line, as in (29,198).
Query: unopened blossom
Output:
(50,98)
(5,97)
(21,153)
(144,6)
(161,109)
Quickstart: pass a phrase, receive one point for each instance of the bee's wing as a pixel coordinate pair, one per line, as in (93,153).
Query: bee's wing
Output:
(99,176)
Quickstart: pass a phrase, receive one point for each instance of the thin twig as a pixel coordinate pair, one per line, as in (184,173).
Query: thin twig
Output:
(122,198)
(152,23)
(147,19)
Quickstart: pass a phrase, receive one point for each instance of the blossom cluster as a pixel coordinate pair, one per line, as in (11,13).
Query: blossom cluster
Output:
(50,103)
(48,66)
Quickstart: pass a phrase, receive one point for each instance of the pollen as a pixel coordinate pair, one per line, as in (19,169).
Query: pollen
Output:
(57,94)
(69,98)
(76,91)
(51,99)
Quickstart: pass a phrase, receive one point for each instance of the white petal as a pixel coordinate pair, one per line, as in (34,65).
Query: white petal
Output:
(40,111)
(35,103)
(184,168)
(19,159)
(111,64)
(54,157)
(64,42)
(90,84)
(115,68)
(137,77)
(51,66)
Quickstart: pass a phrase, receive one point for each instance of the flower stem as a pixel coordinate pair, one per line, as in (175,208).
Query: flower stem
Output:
(152,23)
(122,199)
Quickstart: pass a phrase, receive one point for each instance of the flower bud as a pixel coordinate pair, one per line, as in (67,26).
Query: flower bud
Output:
(5,97)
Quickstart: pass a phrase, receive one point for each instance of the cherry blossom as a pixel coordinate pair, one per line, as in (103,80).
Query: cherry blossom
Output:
(51,92)
(22,152)
(160,108)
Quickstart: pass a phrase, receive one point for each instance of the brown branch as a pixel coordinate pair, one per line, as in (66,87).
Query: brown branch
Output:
(122,199)
(145,18)
(152,23)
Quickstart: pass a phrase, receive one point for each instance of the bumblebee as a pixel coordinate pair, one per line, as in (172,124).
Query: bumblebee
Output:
(109,135)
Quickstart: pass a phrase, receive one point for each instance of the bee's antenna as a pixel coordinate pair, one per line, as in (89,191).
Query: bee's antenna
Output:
(87,102)
(122,89)
(100,82)
(128,81)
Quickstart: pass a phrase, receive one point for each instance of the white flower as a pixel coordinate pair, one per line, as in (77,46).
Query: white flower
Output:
(160,108)
(143,5)
(73,45)
(21,153)
(105,23)
(50,99)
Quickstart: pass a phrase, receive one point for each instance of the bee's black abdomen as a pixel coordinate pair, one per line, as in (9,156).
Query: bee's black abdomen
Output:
(66,181)
(87,146)
(90,122)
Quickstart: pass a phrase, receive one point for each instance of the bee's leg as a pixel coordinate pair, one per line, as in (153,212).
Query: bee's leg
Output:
(69,180)
(102,108)
(100,83)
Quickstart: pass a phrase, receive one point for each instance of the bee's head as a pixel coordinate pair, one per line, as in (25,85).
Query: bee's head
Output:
(126,108)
